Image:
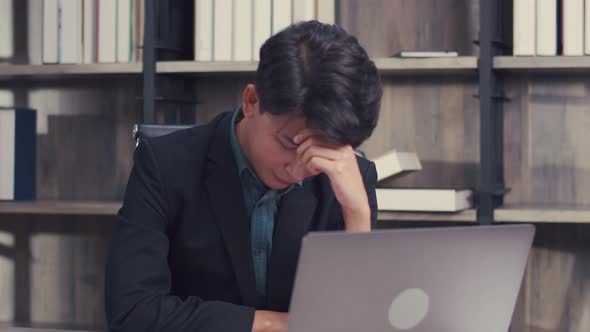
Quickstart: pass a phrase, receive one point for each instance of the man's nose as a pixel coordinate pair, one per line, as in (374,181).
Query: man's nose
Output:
(297,170)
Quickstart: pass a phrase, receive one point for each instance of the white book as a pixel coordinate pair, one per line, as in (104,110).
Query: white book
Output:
(573,27)
(426,54)
(426,200)
(396,163)
(222,30)
(243,30)
(6,30)
(17,154)
(124,31)
(35,32)
(203,30)
(546,22)
(262,25)
(326,11)
(282,14)
(107,31)
(89,33)
(70,31)
(303,10)
(587,27)
(50,22)
(524,27)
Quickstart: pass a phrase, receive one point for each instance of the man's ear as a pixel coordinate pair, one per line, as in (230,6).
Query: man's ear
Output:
(250,104)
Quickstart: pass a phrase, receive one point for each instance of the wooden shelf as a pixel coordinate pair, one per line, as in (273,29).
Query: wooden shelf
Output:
(195,67)
(542,214)
(387,66)
(9,70)
(60,208)
(542,63)
(505,214)
(426,65)
(468,216)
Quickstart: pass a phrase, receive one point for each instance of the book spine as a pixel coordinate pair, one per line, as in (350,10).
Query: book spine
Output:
(6,30)
(123,32)
(546,26)
(262,25)
(282,14)
(326,11)
(303,10)
(35,32)
(222,30)
(243,30)
(573,27)
(524,27)
(50,31)
(107,31)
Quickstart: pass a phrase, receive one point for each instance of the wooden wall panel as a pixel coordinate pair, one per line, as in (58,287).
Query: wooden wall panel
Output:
(547,127)
(436,117)
(385,27)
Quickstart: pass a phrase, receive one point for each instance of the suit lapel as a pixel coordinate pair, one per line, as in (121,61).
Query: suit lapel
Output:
(227,201)
(296,212)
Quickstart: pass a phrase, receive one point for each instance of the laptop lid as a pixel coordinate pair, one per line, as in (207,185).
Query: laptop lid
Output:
(448,279)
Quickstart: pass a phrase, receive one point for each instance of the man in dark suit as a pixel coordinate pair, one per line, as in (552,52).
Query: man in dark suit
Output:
(209,233)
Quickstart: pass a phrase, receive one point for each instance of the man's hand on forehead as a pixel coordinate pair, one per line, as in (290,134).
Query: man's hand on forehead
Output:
(339,163)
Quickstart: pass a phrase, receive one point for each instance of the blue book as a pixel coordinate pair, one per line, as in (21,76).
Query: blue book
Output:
(17,153)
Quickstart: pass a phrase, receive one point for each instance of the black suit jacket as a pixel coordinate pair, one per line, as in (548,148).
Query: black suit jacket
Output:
(180,257)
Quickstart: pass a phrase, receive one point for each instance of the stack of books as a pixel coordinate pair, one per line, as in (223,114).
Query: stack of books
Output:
(395,164)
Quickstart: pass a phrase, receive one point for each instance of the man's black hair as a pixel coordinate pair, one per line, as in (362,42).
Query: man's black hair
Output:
(320,71)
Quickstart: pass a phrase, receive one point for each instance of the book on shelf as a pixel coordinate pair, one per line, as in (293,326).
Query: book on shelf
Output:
(395,163)
(282,12)
(587,27)
(426,54)
(70,31)
(262,25)
(203,33)
(124,31)
(546,27)
(303,10)
(524,15)
(6,30)
(107,31)
(573,27)
(242,35)
(35,32)
(50,31)
(17,153)
(326,11)
(424,200)
(89,33)
(222,30)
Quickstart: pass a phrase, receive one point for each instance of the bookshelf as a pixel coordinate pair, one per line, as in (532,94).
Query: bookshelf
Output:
(428,106)
(386,66)
(557,64)
(60,207)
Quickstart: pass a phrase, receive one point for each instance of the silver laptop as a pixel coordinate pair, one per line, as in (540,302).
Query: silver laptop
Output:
(451,279)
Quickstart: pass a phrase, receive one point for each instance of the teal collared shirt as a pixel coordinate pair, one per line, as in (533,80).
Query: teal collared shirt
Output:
(261,206)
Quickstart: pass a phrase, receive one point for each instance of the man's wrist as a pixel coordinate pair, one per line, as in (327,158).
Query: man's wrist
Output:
(358,218)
